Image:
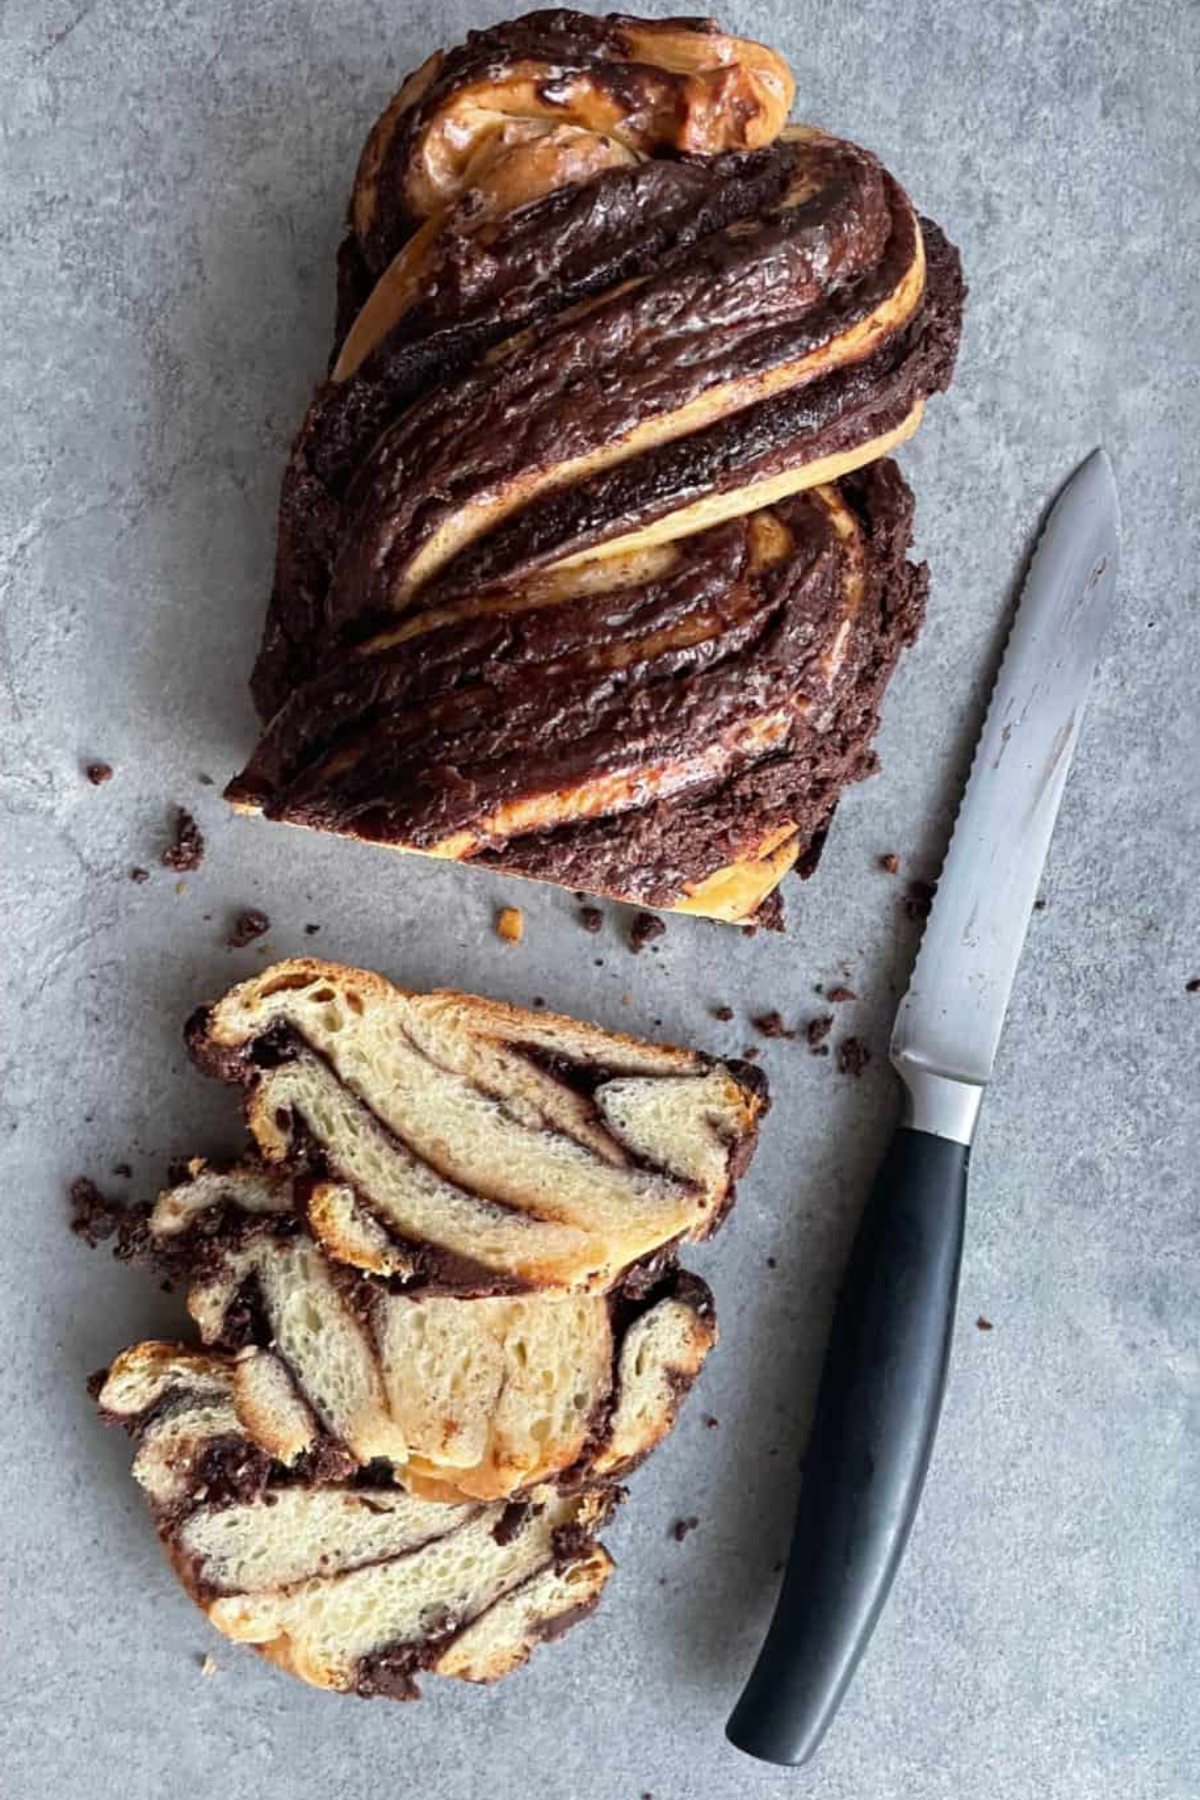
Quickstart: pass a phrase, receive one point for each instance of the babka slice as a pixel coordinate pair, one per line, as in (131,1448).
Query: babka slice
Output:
(471,1146)
(354,1586)
(465,1398)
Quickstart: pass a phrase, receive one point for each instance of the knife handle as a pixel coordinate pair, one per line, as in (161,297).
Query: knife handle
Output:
(876,1415)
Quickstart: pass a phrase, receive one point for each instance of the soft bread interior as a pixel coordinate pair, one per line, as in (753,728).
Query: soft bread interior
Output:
(546,1151)
(327,1579)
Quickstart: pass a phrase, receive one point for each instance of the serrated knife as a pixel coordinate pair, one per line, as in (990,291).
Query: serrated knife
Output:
(885,1368)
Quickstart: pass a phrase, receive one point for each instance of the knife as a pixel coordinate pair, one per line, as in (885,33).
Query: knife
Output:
(885,1368)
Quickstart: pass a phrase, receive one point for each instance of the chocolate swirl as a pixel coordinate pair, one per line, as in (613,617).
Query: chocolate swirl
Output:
(575,577)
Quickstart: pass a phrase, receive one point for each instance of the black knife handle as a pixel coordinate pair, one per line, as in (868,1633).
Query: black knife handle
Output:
(877,1412)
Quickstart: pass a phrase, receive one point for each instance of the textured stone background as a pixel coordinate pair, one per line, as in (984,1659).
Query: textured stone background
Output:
(175,175)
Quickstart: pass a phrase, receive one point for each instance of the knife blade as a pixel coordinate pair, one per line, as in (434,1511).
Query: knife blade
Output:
(885,1368)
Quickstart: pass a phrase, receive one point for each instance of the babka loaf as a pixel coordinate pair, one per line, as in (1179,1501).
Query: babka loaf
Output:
(347,1584)
(575,577)
(471,1146)
(467,1398)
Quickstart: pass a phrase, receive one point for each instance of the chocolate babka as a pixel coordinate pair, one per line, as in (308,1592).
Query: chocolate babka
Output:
(441,1318)
(466,1397)
(347,1583)
(587,566)
(472,1145)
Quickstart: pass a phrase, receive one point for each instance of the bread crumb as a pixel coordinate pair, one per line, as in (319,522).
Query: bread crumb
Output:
(890,863)
(250,924)
(510,924)
(186,850)
(644,930)
(853,1056)
(181,887)
(771,1025)
(208,1667)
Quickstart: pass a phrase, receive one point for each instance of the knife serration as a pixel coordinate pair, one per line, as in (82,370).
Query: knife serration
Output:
(950,1020)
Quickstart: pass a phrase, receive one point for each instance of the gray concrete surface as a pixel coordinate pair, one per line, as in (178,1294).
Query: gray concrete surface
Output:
(175,175)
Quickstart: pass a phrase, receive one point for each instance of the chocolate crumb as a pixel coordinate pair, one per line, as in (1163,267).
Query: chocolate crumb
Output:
(1192,986)
(186,851)
(591,918)
(749,930)
(890,863)
(853,1056)
(817,1030)
(836,995)
(249,925)
(751,1053)
(94,1216)
(123,1170)
(98,773)
(644,930)
(311,930)
(919,900)
(538,1000)
(724,1013)
(710,1423)
(771,1263)
(982,1324)
(681,1527)
(1041,903)
(139,875)
(771,1025)
(204,780)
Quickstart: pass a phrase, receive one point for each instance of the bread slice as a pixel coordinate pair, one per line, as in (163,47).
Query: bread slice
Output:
(465,1397)
(353,1586)
(475,1146)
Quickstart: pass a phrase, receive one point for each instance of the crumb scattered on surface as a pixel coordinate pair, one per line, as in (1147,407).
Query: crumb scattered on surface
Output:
(817,1030)
(1192,986)
(1041,903)
(139,875)
(681,1527)
(510,924)
(186,850)
(98,773)
(94,1216)
(538,1000)
(749,930)
(771,1263)
(311,930)
(204,780)
(724,1013)
(839,994)
(247,926)
(771,1025)
(123,1170)
(890,863)
(853,1056)
(208,1667)
(591,918)
(180,888)
(919,899)
(750,1053)
(982,1324)
(645,930)
(710,1423)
